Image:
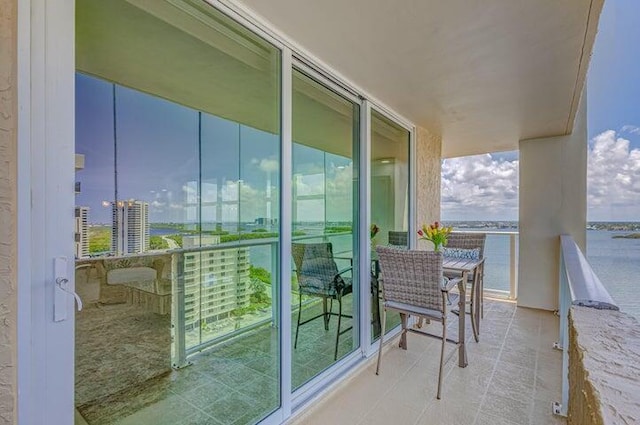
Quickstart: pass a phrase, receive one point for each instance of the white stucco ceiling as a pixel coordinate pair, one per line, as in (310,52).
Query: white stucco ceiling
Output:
(483,74)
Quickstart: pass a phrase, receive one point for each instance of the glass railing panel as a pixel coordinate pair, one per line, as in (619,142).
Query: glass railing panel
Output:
(498,263)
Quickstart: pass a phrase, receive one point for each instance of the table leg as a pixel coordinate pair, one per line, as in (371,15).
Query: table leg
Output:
(462,349)
(474,306)
(478,299)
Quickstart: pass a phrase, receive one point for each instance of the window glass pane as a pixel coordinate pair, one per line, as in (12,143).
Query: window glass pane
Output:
(177,215)
(389,200)
(325,222)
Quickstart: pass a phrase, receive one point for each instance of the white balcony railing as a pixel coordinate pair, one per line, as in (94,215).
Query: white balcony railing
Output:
(579,286)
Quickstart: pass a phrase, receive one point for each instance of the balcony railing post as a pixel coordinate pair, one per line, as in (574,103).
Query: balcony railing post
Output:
(564,301)
(178,323)
(275,278)
(513,270)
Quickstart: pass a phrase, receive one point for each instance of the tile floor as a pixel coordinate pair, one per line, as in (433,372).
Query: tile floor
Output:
(235,382)
(512,378)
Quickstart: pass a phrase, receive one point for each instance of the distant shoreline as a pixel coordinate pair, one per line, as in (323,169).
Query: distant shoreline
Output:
(630,236)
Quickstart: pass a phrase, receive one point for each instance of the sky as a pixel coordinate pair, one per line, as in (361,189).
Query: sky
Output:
(485,187)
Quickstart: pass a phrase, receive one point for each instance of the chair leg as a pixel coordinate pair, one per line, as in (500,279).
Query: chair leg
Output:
(384,325)
(444,341)
(335,356)
(404,318)
(295,344)
(325,314)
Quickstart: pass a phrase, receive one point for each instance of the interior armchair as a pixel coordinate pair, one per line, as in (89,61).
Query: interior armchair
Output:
(318,276)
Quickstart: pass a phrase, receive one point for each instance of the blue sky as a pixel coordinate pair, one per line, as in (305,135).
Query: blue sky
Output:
(487,185)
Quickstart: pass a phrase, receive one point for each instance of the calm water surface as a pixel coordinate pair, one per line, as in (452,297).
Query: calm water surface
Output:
(617,264)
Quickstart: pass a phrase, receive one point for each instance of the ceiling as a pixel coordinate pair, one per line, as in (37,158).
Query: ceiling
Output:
(482,74)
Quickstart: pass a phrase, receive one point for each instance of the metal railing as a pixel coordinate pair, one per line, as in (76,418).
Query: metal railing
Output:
(579,286)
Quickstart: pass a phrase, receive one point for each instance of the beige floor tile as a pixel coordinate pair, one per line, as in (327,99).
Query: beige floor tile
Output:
(507,384)
(448,411)
(390,411)
(487,419)
(516,411)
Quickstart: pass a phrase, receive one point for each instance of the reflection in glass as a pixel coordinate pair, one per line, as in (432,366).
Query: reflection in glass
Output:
(389,200)
(177,216)
(324,210)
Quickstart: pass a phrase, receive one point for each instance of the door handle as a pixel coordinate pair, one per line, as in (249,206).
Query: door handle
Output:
(63,284)
(61,290)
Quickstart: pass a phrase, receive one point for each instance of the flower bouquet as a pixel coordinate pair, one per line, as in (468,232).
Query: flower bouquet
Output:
(436,234)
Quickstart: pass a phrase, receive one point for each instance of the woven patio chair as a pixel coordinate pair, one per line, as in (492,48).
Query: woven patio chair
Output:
(413,285)
(318,276)
(398,238)
(463,240)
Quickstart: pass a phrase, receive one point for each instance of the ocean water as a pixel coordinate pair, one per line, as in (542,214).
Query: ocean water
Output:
(617,263)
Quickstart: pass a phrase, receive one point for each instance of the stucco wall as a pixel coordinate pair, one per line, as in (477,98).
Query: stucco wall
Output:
(428,168)
(553,201)
(604,367)
(8,258)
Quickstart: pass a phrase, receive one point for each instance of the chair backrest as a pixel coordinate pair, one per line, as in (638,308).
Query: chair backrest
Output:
(412,277)
(463,240)
(398,238)
(316,269)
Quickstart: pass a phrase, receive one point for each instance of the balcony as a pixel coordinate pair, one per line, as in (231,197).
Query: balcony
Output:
(513,377)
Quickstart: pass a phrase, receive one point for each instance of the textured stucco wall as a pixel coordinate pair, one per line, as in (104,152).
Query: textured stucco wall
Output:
(553,201)
(8,253)
(604,367)
(428,168)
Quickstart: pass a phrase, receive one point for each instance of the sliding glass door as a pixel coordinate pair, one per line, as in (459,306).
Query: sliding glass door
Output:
(389,202)
(180,161)
(177,216)
(324,289)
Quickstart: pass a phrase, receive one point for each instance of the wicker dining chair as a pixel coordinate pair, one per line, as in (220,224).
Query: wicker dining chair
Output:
(462,240)
(318,276)
(413,285)
(398,238)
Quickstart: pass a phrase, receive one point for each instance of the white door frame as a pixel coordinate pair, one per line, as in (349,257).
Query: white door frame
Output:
(46,135)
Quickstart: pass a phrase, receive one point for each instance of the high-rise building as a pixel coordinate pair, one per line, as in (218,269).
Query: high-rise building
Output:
(82,232)
(216,281)
(130,229)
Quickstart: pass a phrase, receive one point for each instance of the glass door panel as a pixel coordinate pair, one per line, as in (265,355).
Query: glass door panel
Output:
(177,215)
(325,237)
(389,202)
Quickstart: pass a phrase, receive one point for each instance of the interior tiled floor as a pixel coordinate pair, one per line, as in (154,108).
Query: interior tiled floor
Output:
(512,378)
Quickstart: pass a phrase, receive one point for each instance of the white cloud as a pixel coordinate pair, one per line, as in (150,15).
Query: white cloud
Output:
(269,165)
(613,177)
(479,187)
(632,129)
(483,187)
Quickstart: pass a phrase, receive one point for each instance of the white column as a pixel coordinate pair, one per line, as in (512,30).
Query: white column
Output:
(553,201)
